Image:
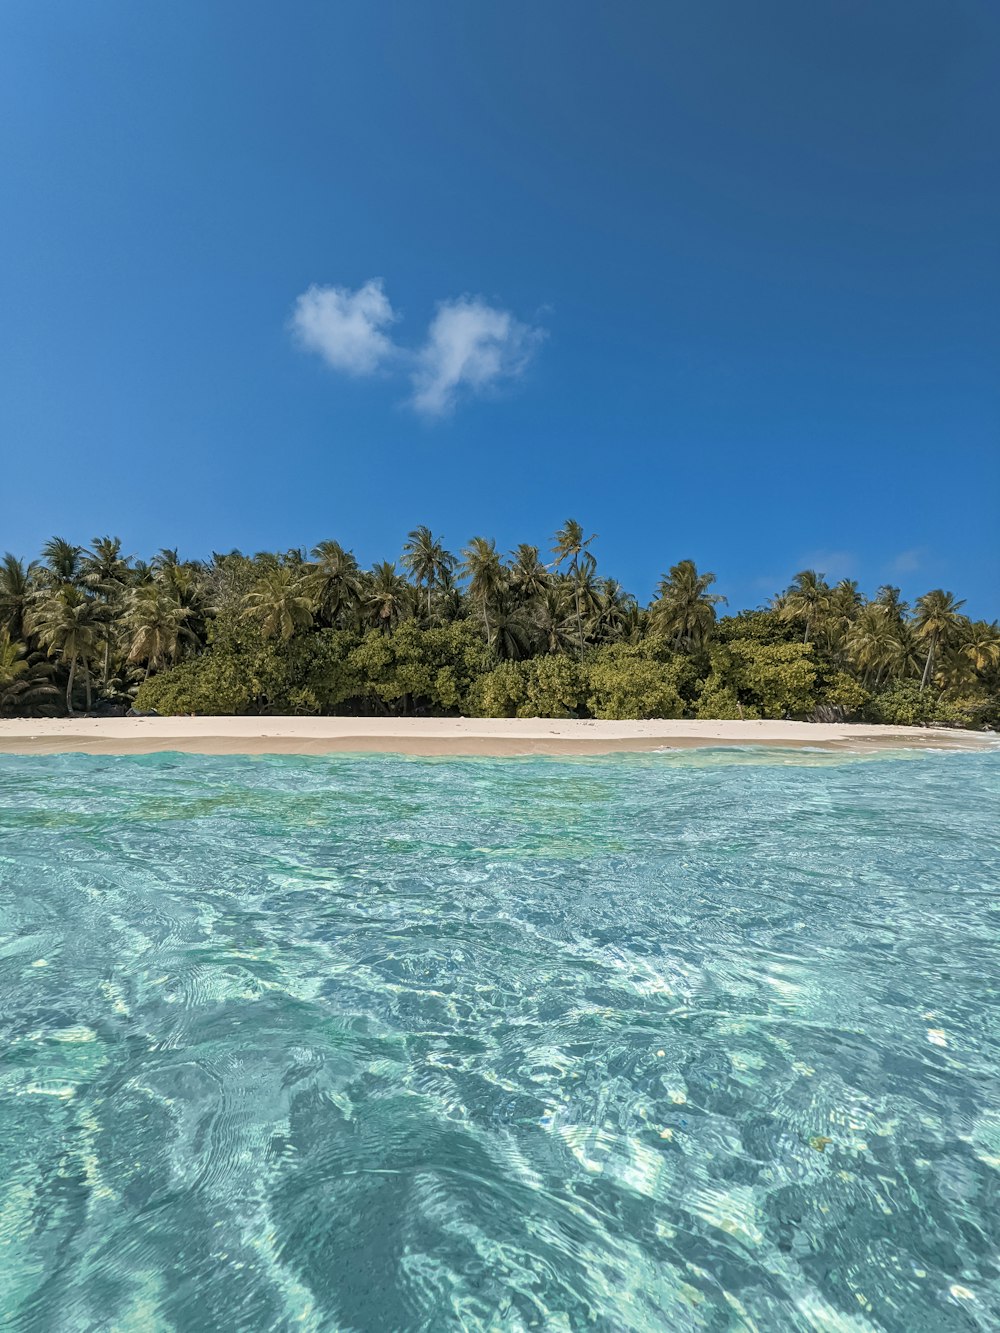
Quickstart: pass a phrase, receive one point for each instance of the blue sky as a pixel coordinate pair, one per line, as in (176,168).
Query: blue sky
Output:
(719,279)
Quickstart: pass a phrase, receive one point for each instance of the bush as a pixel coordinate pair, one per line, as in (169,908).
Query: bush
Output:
(214,685)
(718,703)
(624,686)
(764,679)
(906,705)
(540,687)
(845,694)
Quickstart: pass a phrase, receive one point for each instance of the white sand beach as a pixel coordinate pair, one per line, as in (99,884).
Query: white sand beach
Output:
(445,736)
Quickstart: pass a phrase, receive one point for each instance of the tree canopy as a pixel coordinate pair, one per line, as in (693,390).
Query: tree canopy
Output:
(483,632)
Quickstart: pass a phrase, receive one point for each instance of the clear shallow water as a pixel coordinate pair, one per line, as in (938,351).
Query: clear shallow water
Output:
(695,1041)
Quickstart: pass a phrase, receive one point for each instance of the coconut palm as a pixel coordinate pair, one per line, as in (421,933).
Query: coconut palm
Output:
(334,582)
(25,686)
(617,613)
(279,602)
(874,643)
(156,625)
(805,600)
(67,621)
(387,595)
(528,576)
(61,561)
(842,607)
(103,565)
(891,598)
(448,603)
(570,544)
(684,609)
(481,566)
(937,625)
(981,644)
(511,628)
(105,571)
(17,588)
(426,560)
(552,616)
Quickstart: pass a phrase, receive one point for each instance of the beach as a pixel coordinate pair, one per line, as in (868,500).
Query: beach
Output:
(452,736)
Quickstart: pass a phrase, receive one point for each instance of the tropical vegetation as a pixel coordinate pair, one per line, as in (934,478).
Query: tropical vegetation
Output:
(538,631)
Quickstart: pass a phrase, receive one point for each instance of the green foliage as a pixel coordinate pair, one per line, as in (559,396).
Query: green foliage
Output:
(906,704)
(846,694)
(765,679)
(551,686)
(623,683)
(499,634)
(215,684)
(760,626)
(718,702)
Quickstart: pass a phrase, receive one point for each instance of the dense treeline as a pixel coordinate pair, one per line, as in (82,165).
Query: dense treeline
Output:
(485,634)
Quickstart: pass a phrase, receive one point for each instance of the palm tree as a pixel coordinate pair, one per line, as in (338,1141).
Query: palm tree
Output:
(387,596)
(874,643)
(67,622)
(938,621)
(528,576)
(569,546)
(280,602)
(24,686)
(842,608)
(61,560)
(104,565)
(553,619)
(511,629)
(16,592)
(806,600)
(981,645)
(616,614)
(684,609)
(334,582)
(106,572)
(449,603)
(157,627)
(891,598)
(425,558)
(481,566)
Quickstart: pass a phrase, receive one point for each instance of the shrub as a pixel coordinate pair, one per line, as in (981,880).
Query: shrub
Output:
(631,688)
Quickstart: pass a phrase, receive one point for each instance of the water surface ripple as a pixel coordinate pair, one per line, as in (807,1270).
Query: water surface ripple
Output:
(652,1042)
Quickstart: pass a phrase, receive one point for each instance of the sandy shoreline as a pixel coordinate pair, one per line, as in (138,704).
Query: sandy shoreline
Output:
(444,736)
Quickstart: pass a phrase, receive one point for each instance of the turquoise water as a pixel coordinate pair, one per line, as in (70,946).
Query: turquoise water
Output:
(662,1042)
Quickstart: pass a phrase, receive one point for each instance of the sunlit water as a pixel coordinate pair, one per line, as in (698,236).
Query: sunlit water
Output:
(665,1042)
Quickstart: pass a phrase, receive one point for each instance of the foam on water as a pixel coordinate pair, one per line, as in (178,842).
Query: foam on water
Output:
(689,1040)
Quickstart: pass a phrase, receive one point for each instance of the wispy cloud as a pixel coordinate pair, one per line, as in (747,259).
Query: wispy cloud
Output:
(346,328)
(831,564)
(470,349)
(907,562)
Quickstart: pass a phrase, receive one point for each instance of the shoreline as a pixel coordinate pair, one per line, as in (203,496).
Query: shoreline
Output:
(453,736)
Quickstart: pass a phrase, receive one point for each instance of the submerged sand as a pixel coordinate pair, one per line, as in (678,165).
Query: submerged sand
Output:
(450,736)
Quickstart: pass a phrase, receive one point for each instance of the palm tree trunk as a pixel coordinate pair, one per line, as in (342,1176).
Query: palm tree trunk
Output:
(927,666)
(86,680)
(107,661)
(69,685)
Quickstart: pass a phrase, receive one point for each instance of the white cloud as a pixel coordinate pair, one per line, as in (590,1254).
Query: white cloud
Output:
(831,564)
(346,328)
(907,561)
(470,348)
